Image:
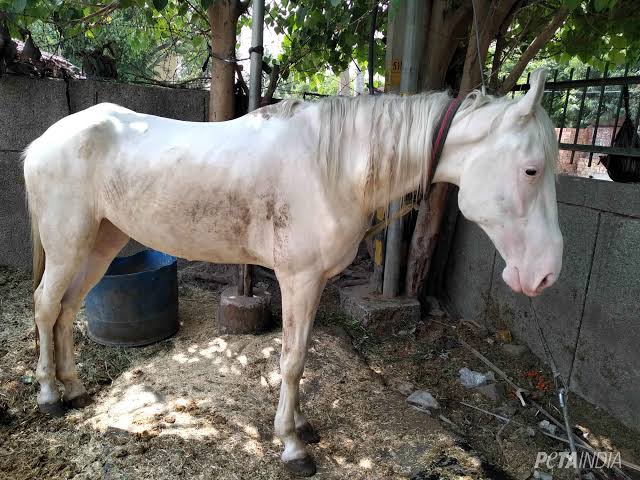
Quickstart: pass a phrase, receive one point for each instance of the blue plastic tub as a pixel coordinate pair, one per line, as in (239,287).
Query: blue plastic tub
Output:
(136,302)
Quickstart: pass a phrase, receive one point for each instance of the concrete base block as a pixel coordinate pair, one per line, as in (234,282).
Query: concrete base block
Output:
(383,316)
(238,314)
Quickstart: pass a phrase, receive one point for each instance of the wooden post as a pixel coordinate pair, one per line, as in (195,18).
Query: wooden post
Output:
(425,237)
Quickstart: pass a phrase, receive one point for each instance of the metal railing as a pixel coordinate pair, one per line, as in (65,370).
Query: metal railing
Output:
(595,98)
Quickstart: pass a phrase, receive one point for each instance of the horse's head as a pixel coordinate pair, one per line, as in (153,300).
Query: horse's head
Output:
(507,187)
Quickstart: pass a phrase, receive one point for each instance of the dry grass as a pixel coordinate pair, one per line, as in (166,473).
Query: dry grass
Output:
(201,406)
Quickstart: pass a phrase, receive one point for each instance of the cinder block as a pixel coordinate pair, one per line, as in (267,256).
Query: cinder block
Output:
(560,306)
(82,94)
(15,240)
(383,316)
(622,198)
(572,190)
(468,274)
(181,104)
(607,366)
(28,106)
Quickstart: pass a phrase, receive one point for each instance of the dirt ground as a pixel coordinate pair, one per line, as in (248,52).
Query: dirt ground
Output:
(200,405)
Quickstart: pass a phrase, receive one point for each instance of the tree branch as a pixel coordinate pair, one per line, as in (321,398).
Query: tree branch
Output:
(241,82)
(501,43)
(273,82)
(491,19)
(543,37)
(242,7)
(106,10)
(199,12)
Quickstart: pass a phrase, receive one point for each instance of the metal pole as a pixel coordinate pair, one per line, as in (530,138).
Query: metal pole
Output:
(257,26)
(408,85)
(564,110)
(582,99)
(595,128)
(245,283)
(615,125)
(372,48)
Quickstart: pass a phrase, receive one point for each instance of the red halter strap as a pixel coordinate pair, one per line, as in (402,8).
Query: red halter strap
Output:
(441,136)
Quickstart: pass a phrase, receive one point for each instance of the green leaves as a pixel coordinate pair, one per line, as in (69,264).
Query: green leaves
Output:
(598,5)
(18,6)
(572,3)
(325,36)
(160,4)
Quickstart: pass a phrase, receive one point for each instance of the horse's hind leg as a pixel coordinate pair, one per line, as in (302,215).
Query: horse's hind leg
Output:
(64,251)
(109,241)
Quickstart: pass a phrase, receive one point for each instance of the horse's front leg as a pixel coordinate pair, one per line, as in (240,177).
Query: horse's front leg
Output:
(300,297)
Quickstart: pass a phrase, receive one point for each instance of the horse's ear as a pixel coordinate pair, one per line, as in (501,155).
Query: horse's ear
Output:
(526,106)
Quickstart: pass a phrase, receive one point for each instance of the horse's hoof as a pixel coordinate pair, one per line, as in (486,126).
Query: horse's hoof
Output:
(308,434)
(80,401)
(301,467)
(55,409)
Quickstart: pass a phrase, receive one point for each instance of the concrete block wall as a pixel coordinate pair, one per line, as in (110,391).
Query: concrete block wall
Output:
(591,316)
(28,106)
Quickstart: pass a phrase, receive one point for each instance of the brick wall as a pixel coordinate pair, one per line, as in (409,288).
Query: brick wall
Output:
(579,167)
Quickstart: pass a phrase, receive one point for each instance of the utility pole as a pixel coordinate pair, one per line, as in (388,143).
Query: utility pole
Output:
(372,48)
(245,280)
(256,52)
(413,41)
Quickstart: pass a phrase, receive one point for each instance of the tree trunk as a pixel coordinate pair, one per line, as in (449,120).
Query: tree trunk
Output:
(273,83)
(541,39)
(444,31)
(500,46)
(223,20)
(425,237)
(491,16)
(496,62)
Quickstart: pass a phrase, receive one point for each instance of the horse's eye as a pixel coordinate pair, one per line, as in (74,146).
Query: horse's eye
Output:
(532,172)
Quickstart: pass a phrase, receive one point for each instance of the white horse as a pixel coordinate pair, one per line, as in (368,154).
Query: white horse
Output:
(291,187)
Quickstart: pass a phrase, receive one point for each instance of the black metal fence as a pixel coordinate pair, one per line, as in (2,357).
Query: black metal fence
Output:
(589,111)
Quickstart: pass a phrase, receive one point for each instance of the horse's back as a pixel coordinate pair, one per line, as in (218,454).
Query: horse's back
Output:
(70,136)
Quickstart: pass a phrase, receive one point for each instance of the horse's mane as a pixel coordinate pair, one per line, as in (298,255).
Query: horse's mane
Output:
(397,126)
(283,109)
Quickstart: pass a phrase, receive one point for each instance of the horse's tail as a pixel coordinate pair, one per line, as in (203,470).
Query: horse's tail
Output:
(36,242)
(38,255)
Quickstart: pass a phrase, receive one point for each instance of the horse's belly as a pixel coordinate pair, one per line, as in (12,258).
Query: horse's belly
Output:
(215,228)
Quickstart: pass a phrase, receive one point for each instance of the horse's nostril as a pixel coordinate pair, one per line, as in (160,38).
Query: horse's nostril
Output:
(546,281)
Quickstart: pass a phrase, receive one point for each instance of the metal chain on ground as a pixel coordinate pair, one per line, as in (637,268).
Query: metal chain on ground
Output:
(561,388)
